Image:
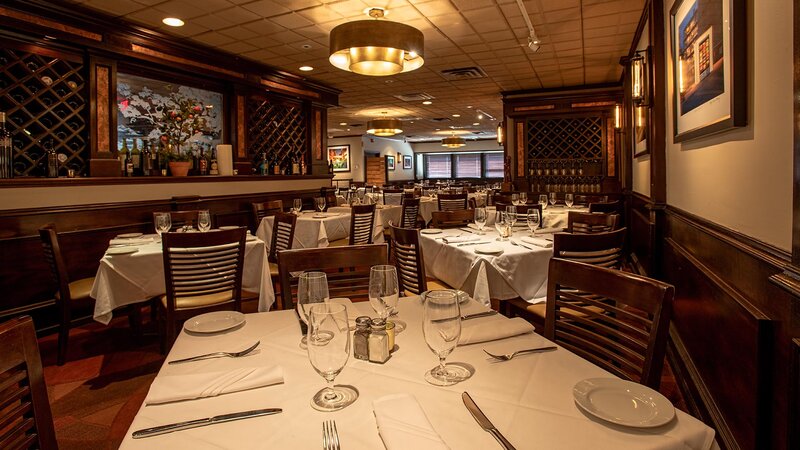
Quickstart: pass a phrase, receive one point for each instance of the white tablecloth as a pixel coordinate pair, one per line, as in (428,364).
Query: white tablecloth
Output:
(529,399)
(384,214)
(126,279)
(313,233)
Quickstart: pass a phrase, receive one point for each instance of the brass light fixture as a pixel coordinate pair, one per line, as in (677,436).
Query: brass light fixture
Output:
(638,64)
(376,47)
(453,142)
(385,126)
(618,116)
(501,138)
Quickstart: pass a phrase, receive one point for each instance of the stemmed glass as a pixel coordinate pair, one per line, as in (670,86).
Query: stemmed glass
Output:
(441,326)
(312,287)
(515,199)
(501,225)
(480,219)
(320,202)
(523,198)
(203,221)
(569,200)
(533,220)
(553,199)
(163,223)
(328,350)
(383,290)
(297,205)
(543,201)
(361,193)
(511,217)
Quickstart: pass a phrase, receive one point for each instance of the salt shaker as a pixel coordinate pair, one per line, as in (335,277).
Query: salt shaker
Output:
(361,338)
(390,331)
(378,342)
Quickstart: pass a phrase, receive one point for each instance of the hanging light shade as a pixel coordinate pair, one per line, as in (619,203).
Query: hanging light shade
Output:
(384,127)
(453,142)
(376,47)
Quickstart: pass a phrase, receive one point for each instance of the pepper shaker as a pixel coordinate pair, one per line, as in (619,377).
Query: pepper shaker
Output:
(361,338)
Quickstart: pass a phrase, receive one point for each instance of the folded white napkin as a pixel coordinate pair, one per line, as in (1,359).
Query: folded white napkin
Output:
(492,328)
(134,241)
(549,230)
(458,239)
(174,388)
(539,242)
(402,424)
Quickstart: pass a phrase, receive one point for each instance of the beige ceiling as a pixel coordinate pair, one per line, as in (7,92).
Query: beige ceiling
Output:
(582,43)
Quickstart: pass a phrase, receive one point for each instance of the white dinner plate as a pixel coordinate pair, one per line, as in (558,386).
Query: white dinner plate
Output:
(623,402)
(214,322)
(430,231)
(319,216)
(489,249)
(228,227)
(129,235)
(122,250)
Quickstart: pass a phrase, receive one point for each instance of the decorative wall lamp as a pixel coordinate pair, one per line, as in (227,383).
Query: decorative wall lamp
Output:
(639,68)
(501,137)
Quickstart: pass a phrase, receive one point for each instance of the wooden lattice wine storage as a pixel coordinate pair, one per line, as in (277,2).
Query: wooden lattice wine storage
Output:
(43,95)
(278,129)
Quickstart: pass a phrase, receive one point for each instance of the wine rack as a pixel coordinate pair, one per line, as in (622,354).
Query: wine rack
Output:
(565,154)
(44,100)
(277,130)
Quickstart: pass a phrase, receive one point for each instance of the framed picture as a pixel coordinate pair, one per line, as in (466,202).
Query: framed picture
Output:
(709,67)
(340,156)
(406,161)
(390,163)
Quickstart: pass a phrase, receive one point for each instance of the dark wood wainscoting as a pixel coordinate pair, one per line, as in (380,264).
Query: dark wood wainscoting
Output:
(642,233)
(25,279)
(732,331)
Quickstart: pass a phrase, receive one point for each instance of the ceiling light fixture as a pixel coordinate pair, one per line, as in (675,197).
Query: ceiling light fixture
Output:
(385,126)
(172,21)
(533,41)
(306,68)
(453,142)
(376,47)
(501,135)
(456,115)
(427,102)
(342,123)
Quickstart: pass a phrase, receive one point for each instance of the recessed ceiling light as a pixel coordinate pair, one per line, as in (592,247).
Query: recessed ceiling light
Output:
(456,115)
(306,46)
(427,102)
(173,21)
(469,106)
(342,123)
(306,68)
(476,123)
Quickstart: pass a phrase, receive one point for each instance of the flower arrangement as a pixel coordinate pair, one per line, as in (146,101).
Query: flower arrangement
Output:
(181,119)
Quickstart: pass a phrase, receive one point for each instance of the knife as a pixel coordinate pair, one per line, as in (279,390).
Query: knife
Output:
(484,422)
(471,243)
(163,429)
(480,314)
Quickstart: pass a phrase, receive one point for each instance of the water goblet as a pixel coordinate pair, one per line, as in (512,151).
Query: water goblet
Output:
(320,202)
(480,219)
(312,287)
(441,326)
(523,198)
(569,200)
(543,201)
(515,199)
(511,216)
(553,199)
(203,221)
(383,289)
(163,223)
(534,220)
(501,225)
(328,351)
(297,205)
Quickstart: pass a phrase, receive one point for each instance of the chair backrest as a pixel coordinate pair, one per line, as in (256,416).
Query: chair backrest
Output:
(599,249)
(587,223)
(180,218)
(605,207)
(362,219)
(452,202)
(588,199)
(52,254)
(27,422)
(408,218)
(264,209)
(392,196)
(452,219)
(203,264)
(329,194)
(501,197)
(521,209)
(282,234)
(617,320)
(347,269)
(408,260)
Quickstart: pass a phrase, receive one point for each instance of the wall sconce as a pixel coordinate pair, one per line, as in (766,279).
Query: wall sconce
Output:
(639,77)
(501,135)
(617,116)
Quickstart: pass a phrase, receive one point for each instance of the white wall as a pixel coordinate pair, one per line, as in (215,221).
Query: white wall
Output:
(743,179)
(391,147)
(356,158)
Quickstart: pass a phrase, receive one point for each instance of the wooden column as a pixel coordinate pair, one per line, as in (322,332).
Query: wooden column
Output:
(103,118)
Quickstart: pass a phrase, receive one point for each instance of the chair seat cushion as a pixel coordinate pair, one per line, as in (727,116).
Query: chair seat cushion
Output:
(200,301)
(79,290)
(434,284)
(339,243)
(540,309)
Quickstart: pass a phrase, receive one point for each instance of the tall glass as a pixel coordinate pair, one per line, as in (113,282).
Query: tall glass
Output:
(534,220)
(312,287)
(480,219)
(383,290)
(553,198)
(328,351)
(320,202)
(543,201)
(569,200)
(441,326)
(203,221)
(163,223)
(297,205)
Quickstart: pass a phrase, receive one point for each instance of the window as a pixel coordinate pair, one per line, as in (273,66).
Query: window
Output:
(463,165)
(438,166)
(468,165)
(494,165)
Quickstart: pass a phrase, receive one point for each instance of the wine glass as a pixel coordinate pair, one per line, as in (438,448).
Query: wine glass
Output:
(480,219)
(320,202)
(203,221)
(511,216)
(569,200)
(553,198)
(163,223)
(297,205)
(441,326)
(501,225)
(515,199)
(383,289)
(523,198)
(361,193)
(533,219)
(328,351)
(543,201)
(312,287)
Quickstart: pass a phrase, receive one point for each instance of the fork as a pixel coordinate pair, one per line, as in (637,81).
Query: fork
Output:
(217,355)
(509,356)
(514,243)
(330,436)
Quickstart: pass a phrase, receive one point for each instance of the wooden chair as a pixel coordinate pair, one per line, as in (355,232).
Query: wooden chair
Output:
(329,194)
(25,418)
(589,223)
(282,238)
(71,295)
(409,217)
(180,218)
(264,209)
(614,207)
(394,197)
(452,219)
(452,202)
(524,210)
(362,221)
(202,273)
(347,267)
(410,263)
(626,336)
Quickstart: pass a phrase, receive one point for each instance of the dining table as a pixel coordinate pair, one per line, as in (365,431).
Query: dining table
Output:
(138,275)
(317,229)
(530,399)
(554,216)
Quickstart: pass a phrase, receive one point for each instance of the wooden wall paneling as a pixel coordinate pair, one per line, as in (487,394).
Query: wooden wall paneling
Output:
(656,137)
(103,117)
(641,233)
(794,396)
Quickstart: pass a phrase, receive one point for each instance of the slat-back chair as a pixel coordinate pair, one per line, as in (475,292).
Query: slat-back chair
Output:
(25,417)
(264,209)
(626,336)
(409,214)
(588,223)
(362,221)
(347,268)
(202,273)
(71,294)
(501,197)
(392,196)
(605,207)
(282,236)
(180,219)
(410,263)
(452,219)
(452,202)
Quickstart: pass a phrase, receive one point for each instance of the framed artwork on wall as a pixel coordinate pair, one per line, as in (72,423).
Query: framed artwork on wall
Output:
(339,155)
(709,67)
(390,163)
(407,162)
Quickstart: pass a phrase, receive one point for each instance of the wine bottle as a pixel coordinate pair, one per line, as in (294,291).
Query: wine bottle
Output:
(276,166)
(203,162)
(147,159)
(295,167)
(137,159)
(262,169)
(6,150)
(214,164)
(52,160)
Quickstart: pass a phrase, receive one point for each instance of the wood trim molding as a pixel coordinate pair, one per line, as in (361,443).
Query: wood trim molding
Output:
(33,182)
(794,396)
(52,24)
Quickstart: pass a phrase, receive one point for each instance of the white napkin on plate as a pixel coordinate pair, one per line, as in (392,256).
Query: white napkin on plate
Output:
(492,328)
(458,239)
(174,388)
(403,424)
(539,242)
(133,241)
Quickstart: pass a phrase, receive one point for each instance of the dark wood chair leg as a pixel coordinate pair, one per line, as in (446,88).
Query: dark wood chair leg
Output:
(63,336)
(135,321)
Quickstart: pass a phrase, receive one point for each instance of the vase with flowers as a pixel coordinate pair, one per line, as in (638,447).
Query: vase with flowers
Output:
(181,119)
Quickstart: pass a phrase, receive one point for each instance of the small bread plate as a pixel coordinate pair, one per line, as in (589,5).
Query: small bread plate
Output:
(430,231)
(319,216)
(129,235)
(489,249)
(228,227)
(250,238)
(214,322)
(623,402)
(127,250)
